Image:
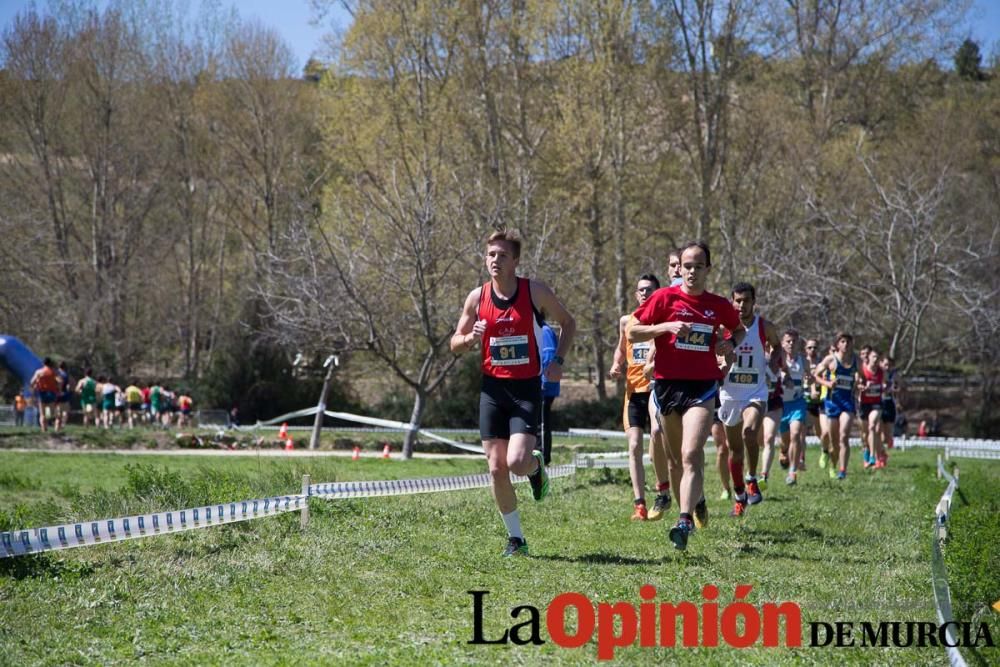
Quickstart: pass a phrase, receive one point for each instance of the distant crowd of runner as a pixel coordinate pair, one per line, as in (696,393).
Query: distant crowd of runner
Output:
(102,402)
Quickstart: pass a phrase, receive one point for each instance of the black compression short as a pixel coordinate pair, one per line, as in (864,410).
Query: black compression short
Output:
(507,407)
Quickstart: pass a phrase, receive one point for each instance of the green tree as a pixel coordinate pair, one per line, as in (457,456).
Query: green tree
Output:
(968,61)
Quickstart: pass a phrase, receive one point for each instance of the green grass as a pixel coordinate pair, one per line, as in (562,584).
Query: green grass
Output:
(385,581)
(972,552)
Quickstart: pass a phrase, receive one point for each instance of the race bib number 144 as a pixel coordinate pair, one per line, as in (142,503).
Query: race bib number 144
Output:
(697,339)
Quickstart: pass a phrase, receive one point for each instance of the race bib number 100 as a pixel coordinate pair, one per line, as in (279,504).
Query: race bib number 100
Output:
(509,351)
(698,339)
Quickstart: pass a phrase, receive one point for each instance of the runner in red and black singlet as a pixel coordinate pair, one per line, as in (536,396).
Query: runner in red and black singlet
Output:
(505,316)
(45,382)
(870,416)
(685,321)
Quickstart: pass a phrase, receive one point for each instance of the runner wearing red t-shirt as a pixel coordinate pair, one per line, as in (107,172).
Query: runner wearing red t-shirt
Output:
(506,315)
(684,321)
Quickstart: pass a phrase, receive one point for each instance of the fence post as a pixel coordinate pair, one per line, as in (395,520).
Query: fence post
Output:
(937,472)
(304,520)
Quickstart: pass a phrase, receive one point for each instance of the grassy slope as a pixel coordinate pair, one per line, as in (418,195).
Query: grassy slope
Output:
(385,581)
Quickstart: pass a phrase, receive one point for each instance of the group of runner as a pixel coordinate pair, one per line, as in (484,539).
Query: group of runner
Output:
(104,403)
(718,366)
(673,351)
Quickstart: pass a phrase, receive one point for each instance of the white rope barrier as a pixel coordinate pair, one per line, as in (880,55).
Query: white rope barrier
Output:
(87,533)
(939,574)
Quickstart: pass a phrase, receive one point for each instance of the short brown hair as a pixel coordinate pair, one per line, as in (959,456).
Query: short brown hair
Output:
(510,236)
(846,336)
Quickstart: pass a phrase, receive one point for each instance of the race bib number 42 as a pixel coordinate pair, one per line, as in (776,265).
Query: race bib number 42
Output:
(509,351)
(697,339)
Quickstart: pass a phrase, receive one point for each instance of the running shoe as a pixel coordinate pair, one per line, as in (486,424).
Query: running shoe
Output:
(660,505)
(754,495)
(701,513)
(824,459)
(739,509)
(516,546)
(762,482)
(842,475)
(726,495)
(790,480)
(539,479)
(679,534)
(783,461)
(640,513)
(833,472)
(802,464)
(879,464)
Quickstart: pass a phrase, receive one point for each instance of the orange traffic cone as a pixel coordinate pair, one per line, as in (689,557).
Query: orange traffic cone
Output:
(289,445)
(357,453)
(385,451)
(283,433)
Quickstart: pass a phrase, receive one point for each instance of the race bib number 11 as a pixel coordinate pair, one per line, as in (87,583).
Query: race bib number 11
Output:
(697,339)
(509,351)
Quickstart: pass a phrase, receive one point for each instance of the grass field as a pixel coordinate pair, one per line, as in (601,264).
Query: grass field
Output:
(386,581)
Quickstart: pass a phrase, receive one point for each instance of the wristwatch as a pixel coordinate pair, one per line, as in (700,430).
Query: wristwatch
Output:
(558,360)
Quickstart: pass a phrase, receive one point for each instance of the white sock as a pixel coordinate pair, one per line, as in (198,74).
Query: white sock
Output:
(513,523)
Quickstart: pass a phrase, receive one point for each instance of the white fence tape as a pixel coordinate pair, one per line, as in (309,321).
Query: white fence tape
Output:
(402,487)
(86,533)
(939,574)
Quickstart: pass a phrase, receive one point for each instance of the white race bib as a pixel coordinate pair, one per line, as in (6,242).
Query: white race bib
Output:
(509,351)
(698,339)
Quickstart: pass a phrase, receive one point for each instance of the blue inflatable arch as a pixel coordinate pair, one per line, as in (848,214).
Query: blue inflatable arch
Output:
(17,358)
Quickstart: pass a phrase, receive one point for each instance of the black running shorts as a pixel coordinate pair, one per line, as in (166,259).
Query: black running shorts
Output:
(679,395)
(813,409)
(507,407)
(889,411)
(637,411)
(867,408)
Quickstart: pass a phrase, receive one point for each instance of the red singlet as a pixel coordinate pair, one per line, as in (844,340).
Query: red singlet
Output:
(511,343)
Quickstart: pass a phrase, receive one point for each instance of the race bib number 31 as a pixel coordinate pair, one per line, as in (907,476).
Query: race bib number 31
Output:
(509,351)
(697,339)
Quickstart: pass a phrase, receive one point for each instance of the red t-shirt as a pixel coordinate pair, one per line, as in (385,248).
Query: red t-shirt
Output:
(690,357)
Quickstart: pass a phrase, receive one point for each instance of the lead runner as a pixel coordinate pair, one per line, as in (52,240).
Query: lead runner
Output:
(506,314)
(684,321)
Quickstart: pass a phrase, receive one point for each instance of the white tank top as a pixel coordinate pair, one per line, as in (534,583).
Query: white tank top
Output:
(746,380)
(796,368)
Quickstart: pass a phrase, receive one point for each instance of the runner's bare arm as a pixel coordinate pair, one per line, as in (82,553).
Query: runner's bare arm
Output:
(650,364)
(818,372)
(468,330)
(619,360)
(725,347)
(638,333)
(778,363)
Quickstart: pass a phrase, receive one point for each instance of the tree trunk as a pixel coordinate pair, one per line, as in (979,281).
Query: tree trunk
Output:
(419,404)
(596,281)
